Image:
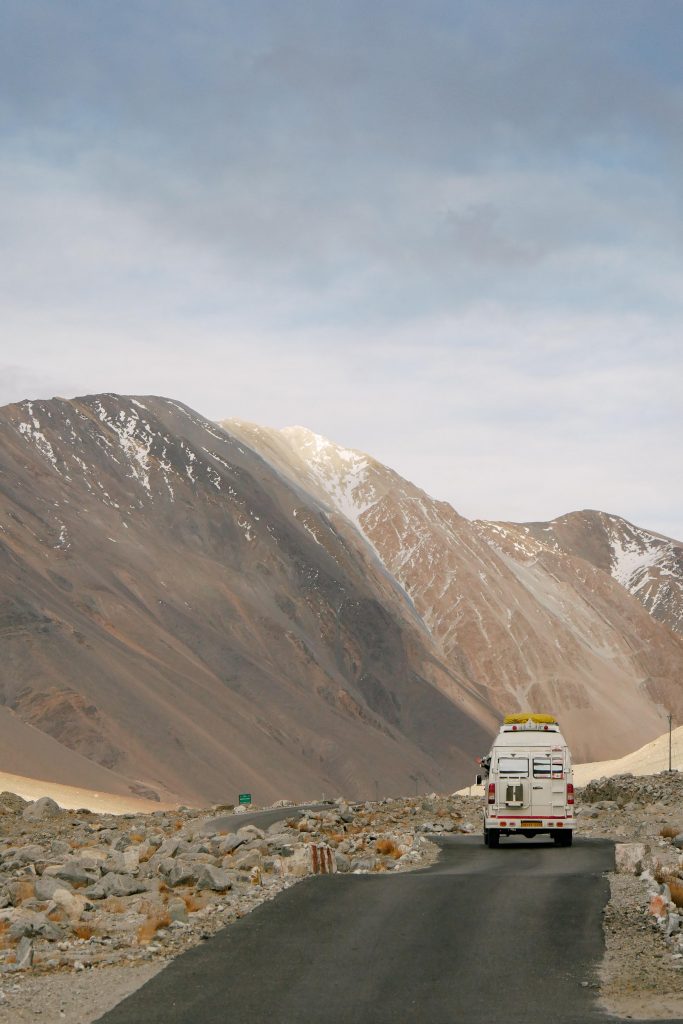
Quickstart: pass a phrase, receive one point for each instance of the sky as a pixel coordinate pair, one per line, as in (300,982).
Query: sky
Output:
(447,233)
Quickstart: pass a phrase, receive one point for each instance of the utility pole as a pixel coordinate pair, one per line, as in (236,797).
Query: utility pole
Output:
(670,720)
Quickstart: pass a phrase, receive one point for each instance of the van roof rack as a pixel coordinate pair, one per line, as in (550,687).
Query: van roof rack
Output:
(525,716)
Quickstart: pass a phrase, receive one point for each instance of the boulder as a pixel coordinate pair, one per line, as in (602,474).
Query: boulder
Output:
(658,906)
(247,860)
(11,803)
(73,904)
(311,859)
(76,874)
(47,885)
(24,955)
(251,832)
(342,861)
(209,877)
(29,923)
(182,874)
(231,843)
(26,854)
(45,807)
(116,885)
(629,858)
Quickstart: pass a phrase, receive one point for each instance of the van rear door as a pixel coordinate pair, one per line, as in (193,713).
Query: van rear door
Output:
(547,784)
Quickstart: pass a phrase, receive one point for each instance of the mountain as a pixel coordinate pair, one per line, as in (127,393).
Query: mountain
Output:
(528,623)
(647,564)
(176,610)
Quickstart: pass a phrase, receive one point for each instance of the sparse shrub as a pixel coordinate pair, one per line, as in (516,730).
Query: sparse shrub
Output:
(669,832)
(193,903)
(388,848)
(114,905)
(155,920)
(136,837)
(5,941)
(83,931)
(676,889)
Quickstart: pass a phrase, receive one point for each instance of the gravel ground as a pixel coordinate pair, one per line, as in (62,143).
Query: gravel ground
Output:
(640,976)
(71,999)
(642,972)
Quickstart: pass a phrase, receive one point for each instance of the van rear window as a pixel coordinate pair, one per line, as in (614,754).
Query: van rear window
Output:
(546,768)
(513,767)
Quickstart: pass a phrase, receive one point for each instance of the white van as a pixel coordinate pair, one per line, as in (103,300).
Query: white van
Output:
(528,781)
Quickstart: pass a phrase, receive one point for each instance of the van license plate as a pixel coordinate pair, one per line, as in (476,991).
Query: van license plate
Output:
(531,824)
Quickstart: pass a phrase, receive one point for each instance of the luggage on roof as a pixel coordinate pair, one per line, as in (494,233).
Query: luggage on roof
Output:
(527,716)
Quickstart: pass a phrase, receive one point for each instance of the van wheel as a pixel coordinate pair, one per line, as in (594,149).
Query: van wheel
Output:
(563,838)
(494,838)
(486,837)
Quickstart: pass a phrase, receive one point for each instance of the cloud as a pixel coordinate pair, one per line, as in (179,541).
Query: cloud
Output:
(446,234)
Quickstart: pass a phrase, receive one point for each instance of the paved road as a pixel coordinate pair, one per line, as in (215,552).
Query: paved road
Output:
(262,819)
(483,937)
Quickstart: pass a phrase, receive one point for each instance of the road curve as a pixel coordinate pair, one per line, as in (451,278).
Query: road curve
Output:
(262,819)
(482,937)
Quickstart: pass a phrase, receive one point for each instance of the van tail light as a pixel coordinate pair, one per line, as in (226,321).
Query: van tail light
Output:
(570,793)
(492,793)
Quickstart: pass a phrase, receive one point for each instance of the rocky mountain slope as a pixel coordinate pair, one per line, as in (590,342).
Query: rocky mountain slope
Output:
(530,623)
(175,610)
(647,564)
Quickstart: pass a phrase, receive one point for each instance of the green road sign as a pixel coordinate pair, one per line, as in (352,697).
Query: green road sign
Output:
(245,798)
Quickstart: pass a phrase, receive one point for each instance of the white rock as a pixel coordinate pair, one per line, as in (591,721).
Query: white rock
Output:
(71,903)
(629,858)
(311,859)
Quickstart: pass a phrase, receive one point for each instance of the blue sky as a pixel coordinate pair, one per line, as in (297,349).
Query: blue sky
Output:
(447,233)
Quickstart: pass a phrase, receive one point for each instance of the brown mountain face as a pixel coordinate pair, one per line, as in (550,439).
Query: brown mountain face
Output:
(184,615)
(647,564)
(530,624)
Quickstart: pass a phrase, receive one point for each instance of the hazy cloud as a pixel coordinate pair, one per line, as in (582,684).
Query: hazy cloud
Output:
(449,234)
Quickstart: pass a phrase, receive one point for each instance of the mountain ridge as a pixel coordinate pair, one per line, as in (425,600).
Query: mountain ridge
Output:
(176,610)
(525,620)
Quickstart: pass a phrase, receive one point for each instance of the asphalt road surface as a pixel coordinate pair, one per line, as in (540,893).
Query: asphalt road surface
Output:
(483,937)
(262,819)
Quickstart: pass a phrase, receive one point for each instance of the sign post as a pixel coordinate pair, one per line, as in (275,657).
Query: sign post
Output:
(244,798)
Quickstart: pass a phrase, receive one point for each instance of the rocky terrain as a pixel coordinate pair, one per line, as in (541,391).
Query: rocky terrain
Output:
(178,616)
(529,618)
(107,899)
(91,905)
(642,974)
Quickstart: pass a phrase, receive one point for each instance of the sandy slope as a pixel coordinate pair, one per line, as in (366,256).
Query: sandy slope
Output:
(652,758)
(73,797)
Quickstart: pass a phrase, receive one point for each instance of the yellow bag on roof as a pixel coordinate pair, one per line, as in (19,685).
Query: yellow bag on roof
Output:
(525,716)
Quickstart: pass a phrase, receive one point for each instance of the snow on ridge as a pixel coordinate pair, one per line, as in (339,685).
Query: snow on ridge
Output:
(342,472)
(630,555)
(32,432)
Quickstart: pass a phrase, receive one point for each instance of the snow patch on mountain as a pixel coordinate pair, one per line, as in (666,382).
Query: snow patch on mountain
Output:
(342,472)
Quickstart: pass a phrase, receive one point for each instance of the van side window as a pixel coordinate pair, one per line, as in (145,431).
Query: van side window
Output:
(513,767)
(546,768)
